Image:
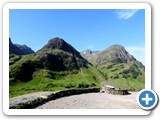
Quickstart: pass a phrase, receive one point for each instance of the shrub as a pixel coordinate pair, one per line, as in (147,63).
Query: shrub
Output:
(83,85)
(23,71)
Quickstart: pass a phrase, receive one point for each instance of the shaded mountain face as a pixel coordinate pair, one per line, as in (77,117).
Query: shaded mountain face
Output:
(120,68)
(59,55)
(19,49)
(25,49)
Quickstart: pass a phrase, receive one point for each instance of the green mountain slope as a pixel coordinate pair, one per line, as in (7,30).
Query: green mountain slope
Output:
(120,68)
(54,67)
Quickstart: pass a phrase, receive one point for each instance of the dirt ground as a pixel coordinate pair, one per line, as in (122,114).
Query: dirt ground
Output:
(93,101)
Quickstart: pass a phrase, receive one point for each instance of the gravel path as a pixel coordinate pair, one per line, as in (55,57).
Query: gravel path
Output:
(93,101)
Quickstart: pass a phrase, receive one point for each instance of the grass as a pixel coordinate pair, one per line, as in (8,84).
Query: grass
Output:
(14,58)
(29,74)
(46,80)
(124,75)
(130,84)
(50,71)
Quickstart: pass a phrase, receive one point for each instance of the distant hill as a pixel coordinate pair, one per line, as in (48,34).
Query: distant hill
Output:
(55,66)
(19,49)
(120,68)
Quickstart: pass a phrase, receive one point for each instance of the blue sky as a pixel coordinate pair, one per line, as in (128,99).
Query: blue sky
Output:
(84,29)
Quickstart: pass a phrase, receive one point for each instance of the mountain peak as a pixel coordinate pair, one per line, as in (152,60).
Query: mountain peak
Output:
(58,43)
(118,53)
(55,43)
(116,47)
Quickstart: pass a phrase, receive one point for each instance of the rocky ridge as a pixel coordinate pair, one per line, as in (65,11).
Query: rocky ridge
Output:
(19,49)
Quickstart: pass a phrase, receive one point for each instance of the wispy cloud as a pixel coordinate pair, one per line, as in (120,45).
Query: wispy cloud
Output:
(134,49)
(138,52)
(90,47)
(126,14)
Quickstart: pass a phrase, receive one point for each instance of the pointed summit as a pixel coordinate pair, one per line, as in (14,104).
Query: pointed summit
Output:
(55,43)
(116,47)
(58,43)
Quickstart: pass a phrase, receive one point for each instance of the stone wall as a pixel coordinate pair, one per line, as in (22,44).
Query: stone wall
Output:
(115,91)
(31,103)
(118,92)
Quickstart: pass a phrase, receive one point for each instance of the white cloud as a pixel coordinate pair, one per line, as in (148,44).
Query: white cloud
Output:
(137,52)
(126,14)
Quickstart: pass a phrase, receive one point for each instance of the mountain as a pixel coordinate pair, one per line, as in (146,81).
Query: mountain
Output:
(24,49)
(58,65)
(55,66)
(59,55)
(120,68)
(58,43)
(19,49)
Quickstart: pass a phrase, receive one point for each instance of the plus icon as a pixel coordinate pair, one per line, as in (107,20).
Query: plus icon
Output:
(147,99)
